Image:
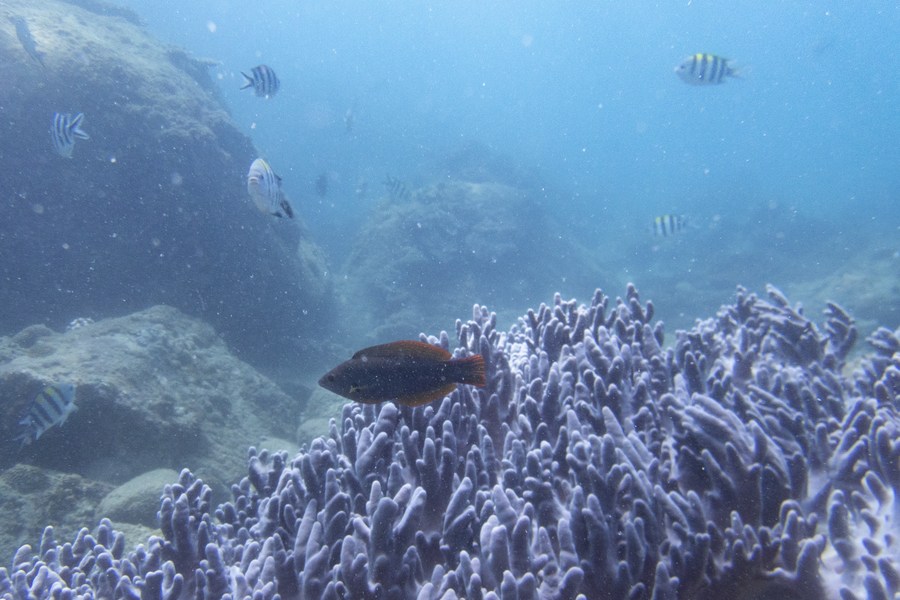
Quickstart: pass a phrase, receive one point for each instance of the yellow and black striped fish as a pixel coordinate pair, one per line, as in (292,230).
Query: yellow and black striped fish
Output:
(666,225)
(51,406)
(705,69)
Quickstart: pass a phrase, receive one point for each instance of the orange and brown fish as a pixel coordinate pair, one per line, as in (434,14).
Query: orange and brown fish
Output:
(412,373)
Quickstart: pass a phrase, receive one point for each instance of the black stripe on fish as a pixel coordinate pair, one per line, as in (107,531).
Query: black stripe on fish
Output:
(40,413)
(54,400)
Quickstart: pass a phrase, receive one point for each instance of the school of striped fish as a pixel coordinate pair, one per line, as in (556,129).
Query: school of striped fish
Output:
(265,186)
(54,403)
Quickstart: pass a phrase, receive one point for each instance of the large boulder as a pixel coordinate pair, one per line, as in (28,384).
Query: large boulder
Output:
(426,253)
(154,390)
(153,208)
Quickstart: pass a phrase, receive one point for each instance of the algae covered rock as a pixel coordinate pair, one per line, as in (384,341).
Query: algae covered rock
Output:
(154,390)
(153,207)
(31,498)
(137,500)
(424,256)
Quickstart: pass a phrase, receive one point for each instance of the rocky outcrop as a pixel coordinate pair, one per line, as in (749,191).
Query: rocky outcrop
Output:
(154,390)
(31,497)
(428,252)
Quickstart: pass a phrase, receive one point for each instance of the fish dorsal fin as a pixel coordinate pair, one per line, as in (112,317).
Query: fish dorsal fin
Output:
(426,397)
(405,348)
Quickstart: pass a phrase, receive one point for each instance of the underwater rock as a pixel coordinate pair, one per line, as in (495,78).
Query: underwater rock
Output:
(135,500)
(155,389)
(427,253)
(741,462)
(153,209)
(32,497)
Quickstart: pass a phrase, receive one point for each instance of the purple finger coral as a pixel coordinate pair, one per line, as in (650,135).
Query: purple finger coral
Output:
(741,461)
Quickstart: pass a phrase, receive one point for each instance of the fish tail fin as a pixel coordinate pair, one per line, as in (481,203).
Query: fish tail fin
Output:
(738,71)
(249,81)
(286,207)
(76,129)
(471,370)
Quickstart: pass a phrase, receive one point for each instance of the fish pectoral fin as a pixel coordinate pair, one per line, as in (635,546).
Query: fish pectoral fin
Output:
(426,397)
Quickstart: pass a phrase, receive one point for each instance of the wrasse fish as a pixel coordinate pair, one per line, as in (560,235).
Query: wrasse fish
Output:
(409,372)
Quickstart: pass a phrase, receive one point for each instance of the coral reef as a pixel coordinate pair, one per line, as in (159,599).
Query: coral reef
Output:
(741,462)
(153,209)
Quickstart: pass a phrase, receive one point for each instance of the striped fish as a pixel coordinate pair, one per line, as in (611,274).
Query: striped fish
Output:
(263,80)
(666,225)
(397,190)
(50,407)
(705,69)
(65,130)
(264,187)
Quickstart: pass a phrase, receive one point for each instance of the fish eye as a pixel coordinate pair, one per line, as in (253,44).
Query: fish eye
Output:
(331,378)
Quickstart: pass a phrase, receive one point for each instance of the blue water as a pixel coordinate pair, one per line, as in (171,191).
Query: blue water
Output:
(788,175)
(798,160)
